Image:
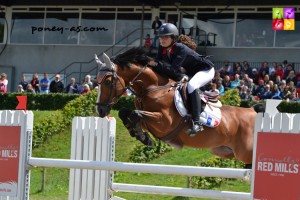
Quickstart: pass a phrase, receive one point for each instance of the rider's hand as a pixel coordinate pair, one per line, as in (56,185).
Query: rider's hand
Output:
(152,63)
(184,78)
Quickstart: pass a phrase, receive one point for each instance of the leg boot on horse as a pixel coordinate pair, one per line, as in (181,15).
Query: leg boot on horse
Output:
(196,111)
(131,120)
(123,115)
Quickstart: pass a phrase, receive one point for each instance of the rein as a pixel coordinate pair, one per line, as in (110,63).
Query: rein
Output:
(140,97)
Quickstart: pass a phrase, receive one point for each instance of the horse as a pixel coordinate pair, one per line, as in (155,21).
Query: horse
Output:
(156,112)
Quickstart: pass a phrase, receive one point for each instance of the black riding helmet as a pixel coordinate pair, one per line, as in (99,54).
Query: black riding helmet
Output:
(168,29)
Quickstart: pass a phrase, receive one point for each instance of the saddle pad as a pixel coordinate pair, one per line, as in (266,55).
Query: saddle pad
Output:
(179,103)
(211,116)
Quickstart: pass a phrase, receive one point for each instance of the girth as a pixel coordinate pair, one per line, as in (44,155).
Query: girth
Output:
(173,137)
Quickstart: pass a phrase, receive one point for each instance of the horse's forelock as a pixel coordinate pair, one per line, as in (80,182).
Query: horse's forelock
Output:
(133,55)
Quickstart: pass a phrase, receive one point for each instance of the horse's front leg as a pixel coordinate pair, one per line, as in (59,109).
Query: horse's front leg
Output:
(131,120)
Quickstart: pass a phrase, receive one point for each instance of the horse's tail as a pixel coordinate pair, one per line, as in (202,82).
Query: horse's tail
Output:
(260,107)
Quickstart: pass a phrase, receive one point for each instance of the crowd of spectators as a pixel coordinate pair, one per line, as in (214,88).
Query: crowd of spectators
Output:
(45,86)
(277,81)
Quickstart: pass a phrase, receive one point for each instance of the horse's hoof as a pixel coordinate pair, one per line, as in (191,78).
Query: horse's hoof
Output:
(145,139)
(151,143)
(248,166)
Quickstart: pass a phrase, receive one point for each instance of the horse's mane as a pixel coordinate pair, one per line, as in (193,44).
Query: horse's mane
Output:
(136,55)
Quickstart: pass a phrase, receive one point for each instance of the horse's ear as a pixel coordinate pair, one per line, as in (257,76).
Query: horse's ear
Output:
(108,63)
(99,63)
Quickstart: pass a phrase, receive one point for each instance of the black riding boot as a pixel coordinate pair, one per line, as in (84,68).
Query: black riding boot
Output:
(196,111)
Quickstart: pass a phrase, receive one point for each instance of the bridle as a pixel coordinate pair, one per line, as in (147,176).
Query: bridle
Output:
(106,73)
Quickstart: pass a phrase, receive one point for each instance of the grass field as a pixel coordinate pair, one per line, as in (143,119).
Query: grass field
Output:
(57,180)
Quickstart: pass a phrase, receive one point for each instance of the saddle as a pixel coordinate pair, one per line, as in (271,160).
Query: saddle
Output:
(210,106)
(207,97)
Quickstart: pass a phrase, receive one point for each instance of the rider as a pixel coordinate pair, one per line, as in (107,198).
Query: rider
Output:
(176,61)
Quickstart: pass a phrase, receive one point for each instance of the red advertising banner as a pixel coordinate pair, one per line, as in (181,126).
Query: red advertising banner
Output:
(277,175)
(9,159)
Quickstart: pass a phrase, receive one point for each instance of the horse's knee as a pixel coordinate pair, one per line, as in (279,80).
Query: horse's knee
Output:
(124,113)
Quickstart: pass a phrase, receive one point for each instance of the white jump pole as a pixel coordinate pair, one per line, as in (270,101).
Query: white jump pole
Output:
(143,168)
(176,191)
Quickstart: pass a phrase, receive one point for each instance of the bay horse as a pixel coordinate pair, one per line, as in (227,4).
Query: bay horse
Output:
(156,112)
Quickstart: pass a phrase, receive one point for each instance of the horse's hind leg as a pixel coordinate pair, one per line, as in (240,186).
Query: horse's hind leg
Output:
(131,120)
(223,152)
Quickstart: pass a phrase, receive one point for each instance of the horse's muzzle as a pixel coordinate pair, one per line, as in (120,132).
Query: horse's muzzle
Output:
(102,110)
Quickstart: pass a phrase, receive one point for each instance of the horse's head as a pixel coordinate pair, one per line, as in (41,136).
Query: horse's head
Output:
(127,71)
(110,86)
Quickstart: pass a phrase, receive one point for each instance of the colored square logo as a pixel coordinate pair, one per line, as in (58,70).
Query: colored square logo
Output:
(277,24)
(277,13)
(289,25)
(289,13)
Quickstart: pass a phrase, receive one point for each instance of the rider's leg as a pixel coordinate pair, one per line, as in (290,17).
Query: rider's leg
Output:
(199,79)
(196,111)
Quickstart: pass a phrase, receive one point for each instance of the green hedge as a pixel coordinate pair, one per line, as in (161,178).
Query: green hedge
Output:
(289,107)
(60,120)
(36,101)
(214,182)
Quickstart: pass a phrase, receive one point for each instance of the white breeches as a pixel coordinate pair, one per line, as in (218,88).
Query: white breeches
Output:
(200,79)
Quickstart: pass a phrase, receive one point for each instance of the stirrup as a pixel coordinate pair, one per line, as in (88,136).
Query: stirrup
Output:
(197,127)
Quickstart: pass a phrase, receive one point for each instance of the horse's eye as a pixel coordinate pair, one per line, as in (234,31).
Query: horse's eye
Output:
(107,82)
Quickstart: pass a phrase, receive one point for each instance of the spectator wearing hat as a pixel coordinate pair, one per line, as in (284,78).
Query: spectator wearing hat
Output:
(255,76)
(56,86)
(3,83)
